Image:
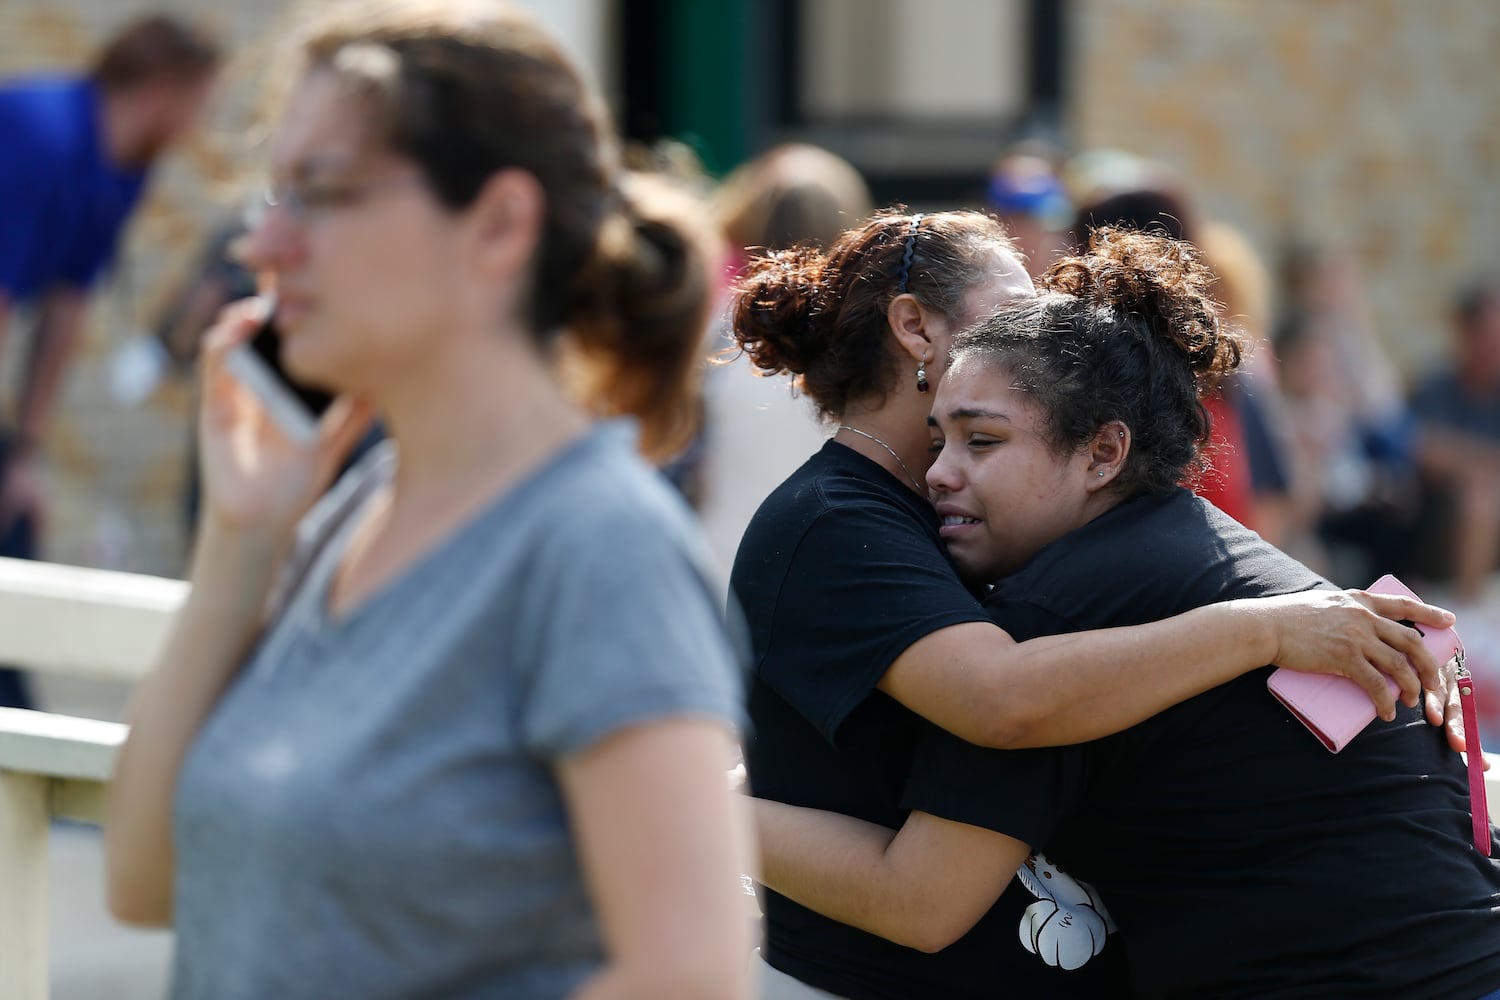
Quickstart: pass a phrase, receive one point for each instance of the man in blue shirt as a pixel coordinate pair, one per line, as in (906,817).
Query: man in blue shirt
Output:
(74,157)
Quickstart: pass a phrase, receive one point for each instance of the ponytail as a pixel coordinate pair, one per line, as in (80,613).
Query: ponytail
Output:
(639,315)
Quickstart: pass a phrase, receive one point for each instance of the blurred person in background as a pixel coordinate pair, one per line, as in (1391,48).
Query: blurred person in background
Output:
(758,430)
(460,727)
(1246,476)
(1353,438)
(1111,187)
(790,194)
(862,633)
(1324,284)
(217,279)
(78,150)
(679,165)
(1242,291)
(1027,195)
(1457,411)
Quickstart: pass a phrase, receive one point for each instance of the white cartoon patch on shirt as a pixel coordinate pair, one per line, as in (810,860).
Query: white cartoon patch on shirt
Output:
(1068,923)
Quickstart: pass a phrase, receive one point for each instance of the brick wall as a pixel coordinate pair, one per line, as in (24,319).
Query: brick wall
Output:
(1373,123)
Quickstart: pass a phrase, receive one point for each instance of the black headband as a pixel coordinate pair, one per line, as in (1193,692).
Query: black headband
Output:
(911,246)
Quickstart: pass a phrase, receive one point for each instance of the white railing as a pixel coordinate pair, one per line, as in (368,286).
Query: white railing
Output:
(84,622)
(90,623)
(61,620)
(51,766)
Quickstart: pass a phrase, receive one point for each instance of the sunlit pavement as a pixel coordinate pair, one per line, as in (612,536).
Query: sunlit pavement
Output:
(93,957)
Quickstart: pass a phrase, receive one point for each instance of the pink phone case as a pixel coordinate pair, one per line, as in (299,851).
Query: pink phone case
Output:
(1335,708)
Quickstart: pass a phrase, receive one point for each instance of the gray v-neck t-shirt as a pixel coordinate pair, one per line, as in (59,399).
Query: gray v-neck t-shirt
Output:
(371,809)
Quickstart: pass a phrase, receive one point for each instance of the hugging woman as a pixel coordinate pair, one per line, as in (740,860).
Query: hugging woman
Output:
(1236,856)
(864,638)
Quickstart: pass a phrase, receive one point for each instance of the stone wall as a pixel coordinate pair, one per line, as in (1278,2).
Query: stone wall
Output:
(1374,124)
(117,470)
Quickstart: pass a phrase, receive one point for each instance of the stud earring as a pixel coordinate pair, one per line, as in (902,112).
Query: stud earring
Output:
(1101,473)
(922,385)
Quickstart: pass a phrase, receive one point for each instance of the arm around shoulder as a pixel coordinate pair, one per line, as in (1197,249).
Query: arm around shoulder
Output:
(978,683)
(1081,686)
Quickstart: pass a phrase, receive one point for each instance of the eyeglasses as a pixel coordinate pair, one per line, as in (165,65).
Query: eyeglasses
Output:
(306,201)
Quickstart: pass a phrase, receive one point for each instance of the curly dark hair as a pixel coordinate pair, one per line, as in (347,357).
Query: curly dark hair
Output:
(1124,332)
(820,314)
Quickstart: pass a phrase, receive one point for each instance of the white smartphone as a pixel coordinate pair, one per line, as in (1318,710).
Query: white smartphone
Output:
(296,408)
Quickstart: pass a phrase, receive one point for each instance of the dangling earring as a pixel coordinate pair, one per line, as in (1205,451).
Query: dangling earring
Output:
(922,375)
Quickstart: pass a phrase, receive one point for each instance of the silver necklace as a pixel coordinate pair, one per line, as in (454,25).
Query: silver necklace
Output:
(872,437)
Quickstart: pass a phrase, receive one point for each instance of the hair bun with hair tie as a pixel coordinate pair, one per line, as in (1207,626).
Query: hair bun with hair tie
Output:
(1162,281)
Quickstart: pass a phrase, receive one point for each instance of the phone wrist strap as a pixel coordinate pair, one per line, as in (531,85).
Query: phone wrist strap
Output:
(1478,802)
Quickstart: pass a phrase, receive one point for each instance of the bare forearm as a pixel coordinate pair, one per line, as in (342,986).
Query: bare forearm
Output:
(923,886)
(976,682)
(833,864)
(1082,686)
(208,639)
(58,330)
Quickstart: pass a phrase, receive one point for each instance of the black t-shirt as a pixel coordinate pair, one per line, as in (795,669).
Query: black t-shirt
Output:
(840,571)
(1238,856)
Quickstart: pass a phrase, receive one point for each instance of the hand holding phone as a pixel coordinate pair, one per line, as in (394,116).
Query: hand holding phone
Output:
(296,408)
(265,454)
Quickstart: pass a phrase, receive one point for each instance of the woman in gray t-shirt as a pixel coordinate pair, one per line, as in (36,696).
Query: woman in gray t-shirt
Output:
(459,729)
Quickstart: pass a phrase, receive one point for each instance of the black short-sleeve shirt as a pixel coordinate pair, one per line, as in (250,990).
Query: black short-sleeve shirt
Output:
(840,571)
(1237,855)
